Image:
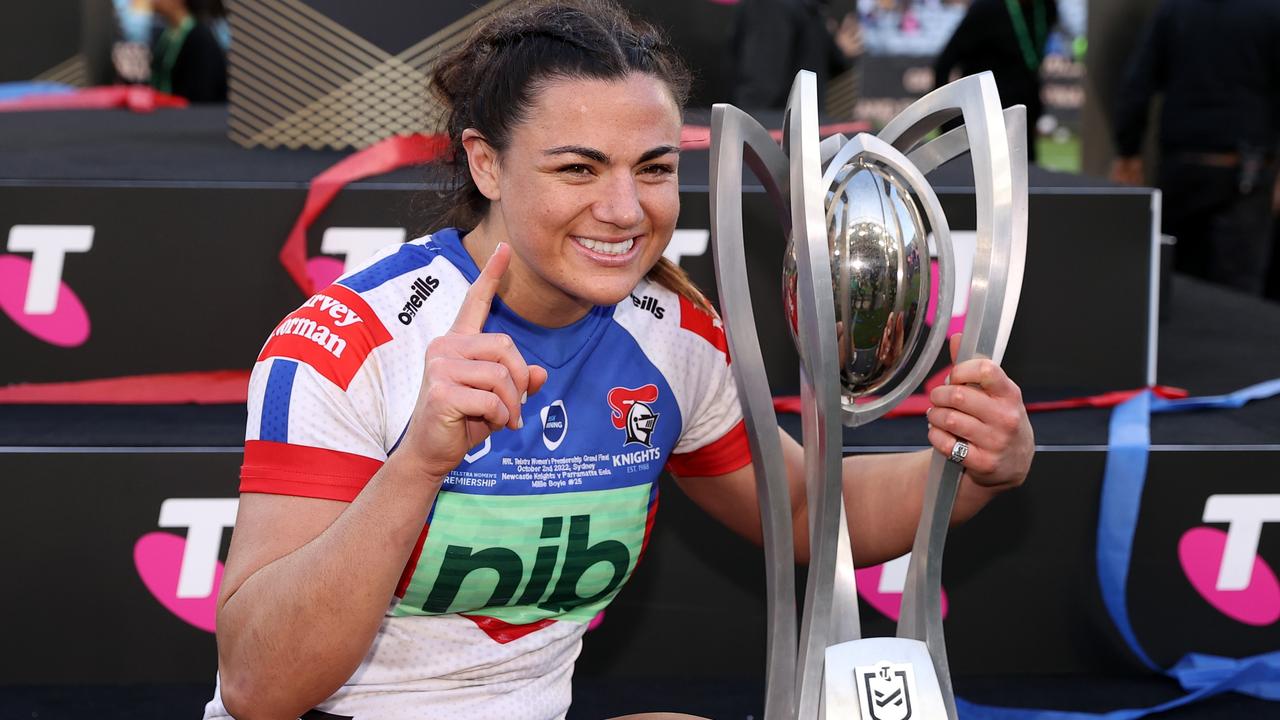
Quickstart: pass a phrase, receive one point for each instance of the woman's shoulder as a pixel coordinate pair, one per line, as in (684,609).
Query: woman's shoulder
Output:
(662,315)
(402,295)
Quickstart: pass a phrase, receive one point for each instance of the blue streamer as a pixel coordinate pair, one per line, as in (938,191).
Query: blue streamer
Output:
(18,90)
(1202,676)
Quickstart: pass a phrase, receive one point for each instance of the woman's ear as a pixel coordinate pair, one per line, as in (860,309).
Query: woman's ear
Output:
(482,160)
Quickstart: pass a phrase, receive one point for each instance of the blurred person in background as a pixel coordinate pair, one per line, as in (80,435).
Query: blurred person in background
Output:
(1217,64)
(187,58)
(774,39)
(1007,37)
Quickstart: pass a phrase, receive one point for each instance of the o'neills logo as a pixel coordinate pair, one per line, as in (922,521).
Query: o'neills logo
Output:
(422,289)
(631,412)
(650,304)
(333,332)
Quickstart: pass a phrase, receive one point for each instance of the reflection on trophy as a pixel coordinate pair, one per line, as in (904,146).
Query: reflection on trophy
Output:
(862,222)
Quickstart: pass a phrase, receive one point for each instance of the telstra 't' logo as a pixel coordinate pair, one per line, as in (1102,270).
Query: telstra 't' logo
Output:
(32,292)
(184,573)
(1224,567)
(354,245)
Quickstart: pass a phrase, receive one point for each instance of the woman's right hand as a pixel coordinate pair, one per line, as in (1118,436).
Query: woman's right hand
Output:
(474,383)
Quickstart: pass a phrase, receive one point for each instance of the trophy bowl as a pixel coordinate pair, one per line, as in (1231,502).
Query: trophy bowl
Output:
(876,237)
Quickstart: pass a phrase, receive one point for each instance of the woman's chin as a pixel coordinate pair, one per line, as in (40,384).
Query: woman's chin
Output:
(608,297)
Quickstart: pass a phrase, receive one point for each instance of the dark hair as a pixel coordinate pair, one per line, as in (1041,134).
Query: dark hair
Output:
(490,82)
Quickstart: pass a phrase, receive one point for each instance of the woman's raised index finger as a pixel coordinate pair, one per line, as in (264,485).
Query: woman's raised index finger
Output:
(479,298)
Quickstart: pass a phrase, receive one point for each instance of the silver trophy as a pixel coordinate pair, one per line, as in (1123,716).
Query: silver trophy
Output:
(860,218)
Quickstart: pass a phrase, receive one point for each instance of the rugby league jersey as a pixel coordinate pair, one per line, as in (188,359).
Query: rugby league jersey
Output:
(536,530)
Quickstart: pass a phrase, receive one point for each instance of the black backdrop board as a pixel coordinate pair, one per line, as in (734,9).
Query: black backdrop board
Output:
(188,278)
(76,608)
(1084,313)
(177,279)
(1020,577)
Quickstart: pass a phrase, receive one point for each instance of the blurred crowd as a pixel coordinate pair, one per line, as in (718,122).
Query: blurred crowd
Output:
(1215,64)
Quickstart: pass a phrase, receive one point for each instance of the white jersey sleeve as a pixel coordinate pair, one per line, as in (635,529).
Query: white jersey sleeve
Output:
(315,412)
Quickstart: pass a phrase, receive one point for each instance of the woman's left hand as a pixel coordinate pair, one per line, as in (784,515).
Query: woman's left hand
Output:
(983,407)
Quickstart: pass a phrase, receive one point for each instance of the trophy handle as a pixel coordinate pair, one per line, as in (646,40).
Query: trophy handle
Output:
(952,144)
(1000,179)
(976,99)
(736,136)
(831,605)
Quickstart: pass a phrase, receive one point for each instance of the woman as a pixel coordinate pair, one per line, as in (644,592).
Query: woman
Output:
(452,453)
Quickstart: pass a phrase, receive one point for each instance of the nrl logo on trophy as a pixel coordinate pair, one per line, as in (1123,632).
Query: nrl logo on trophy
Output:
(885,691)
(862,222)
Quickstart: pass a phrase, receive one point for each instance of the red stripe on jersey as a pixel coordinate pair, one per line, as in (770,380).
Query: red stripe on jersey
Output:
(284,469)
(702,324)
(505,632)
(403,586)
(725,455)
(333,332)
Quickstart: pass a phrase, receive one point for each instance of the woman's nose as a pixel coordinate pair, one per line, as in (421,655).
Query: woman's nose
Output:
(620,204)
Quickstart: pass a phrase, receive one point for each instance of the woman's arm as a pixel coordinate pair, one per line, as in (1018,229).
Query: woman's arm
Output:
(883,494)
(308,581)
(306,585)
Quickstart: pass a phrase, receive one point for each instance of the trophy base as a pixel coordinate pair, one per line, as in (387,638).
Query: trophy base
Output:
(881,679)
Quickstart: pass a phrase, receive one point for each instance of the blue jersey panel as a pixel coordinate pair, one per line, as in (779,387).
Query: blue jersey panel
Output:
(585,430)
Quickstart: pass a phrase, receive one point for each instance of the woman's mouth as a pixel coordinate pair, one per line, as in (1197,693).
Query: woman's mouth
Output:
(605,247)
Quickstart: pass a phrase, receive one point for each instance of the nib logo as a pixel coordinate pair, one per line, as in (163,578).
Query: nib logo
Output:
(184,573)
(551,581)
(1224,567)
(32,292)
(881,586)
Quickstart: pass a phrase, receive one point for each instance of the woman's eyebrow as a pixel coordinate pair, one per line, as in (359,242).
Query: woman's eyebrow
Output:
(658,152)
(597,156)
(589,153)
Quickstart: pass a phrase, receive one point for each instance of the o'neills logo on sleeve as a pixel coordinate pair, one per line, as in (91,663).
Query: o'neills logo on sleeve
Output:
(333,332)
(420,290)
(649,304)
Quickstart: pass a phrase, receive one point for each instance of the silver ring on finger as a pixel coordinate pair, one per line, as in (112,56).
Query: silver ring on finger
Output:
(959,452)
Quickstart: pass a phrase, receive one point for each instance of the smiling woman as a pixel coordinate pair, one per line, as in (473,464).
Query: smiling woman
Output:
(587,218)
(452,455)
(565,123)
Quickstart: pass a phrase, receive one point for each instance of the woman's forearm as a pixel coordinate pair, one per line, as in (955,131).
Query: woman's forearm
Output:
(296,629)
(884,496)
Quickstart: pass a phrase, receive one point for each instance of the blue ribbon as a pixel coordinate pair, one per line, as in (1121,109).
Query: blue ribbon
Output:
(1200,675)
(17,90)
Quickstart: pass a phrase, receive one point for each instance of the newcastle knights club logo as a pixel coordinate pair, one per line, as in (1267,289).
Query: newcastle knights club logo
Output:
(885,691)
(631,412)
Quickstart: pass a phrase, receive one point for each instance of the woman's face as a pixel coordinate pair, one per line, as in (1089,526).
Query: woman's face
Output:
(586,194)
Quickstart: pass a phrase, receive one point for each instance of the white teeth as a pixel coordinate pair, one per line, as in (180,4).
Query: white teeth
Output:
(606,248)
